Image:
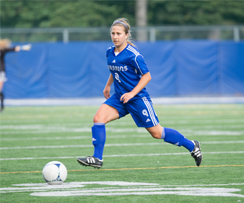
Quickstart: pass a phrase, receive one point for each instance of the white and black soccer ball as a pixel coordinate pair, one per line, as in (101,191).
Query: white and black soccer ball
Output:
(54,173)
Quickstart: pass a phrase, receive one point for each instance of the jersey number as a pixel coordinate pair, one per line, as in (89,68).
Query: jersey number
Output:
(117,77)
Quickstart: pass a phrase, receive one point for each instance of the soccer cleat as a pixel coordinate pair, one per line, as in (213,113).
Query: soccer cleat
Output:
(90,161)
(196,153)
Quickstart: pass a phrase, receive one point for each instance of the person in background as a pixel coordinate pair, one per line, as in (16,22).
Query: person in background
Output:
(5,48)
(129,74)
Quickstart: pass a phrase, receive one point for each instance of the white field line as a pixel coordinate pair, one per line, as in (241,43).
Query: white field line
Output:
(206,185)
(212,132)
(109,188)
(170,119)
(116,136)
(119,183)
(121,122)
(73,137)
(115,145)
(85,129)
(61,129)
(119,155)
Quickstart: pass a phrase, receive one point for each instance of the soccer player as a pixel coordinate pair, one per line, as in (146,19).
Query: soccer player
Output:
(5,48)
(129,74)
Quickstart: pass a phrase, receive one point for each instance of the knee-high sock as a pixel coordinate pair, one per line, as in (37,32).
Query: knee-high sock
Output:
(174,137)
(98,139)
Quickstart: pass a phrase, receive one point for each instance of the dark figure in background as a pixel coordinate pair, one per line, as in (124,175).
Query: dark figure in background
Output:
(5,48)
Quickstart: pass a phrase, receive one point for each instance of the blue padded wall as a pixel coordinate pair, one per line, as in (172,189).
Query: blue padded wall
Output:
(78,69)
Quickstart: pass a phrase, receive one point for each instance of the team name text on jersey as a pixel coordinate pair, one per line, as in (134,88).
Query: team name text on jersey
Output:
(118,68)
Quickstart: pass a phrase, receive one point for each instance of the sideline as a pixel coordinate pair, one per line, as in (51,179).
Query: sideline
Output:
(99,101)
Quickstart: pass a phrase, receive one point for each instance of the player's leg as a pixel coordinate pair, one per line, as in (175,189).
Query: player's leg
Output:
(144,115)
(104,115)
(171,136)
(174,137)
(112,109)
(1,93)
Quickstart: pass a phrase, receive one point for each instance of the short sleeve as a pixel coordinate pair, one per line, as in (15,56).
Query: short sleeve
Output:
(140,64)
(107,52)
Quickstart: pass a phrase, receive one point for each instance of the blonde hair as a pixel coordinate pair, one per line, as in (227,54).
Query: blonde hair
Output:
(4,43)
(125,24)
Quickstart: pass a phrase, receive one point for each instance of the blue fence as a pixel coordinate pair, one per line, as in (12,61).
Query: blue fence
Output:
(78,69)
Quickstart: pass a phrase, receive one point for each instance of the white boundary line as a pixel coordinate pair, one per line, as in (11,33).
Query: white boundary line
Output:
(110,136)
(99,101)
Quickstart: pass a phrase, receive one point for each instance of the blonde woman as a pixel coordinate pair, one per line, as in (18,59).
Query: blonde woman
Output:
(130,75)
(5,48)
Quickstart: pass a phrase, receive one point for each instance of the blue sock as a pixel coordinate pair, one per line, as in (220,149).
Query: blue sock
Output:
(174,137)
(98,139)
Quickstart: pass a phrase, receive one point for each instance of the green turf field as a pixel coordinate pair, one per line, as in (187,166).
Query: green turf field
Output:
(137,168)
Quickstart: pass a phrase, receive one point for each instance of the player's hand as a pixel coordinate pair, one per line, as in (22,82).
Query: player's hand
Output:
(17,48)
(126,97)
(106,92)
(26,47)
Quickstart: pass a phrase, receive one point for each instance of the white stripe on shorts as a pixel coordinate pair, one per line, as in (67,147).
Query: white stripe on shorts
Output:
(150,110)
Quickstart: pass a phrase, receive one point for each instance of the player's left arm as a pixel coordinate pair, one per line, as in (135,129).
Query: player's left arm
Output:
(141,84)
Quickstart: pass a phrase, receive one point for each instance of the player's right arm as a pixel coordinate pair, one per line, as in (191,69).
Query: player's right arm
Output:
(106,91)
(26,47)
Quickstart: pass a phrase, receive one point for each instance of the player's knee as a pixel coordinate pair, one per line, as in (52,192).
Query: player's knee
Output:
(156,131)
(156,135)
(99,119)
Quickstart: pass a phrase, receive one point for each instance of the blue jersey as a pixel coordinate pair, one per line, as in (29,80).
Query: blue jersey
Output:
(127,68)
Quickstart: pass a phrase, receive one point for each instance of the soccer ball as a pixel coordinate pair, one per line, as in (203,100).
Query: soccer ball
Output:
(54,173)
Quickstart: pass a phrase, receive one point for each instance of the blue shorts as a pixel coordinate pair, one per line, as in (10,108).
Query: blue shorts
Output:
(141,110)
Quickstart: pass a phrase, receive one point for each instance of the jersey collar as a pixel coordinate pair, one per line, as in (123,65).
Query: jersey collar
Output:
(121,51)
